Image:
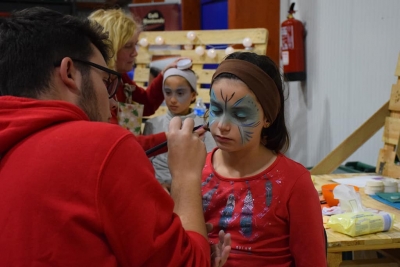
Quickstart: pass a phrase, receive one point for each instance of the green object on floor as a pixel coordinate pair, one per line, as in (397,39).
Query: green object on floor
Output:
(359,167)
(353,167)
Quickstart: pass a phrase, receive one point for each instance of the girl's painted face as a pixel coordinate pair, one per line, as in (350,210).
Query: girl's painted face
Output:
(236,117)
(178,95)
(126,55)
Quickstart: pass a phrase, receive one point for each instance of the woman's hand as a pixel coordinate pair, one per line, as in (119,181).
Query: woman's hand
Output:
(173,64)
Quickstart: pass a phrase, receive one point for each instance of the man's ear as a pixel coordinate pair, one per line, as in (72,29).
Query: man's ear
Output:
(70,75)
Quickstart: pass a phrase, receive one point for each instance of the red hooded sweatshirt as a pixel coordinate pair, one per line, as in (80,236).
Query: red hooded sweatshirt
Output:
(79,193)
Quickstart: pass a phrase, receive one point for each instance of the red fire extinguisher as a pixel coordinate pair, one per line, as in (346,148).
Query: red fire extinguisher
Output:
(292,32)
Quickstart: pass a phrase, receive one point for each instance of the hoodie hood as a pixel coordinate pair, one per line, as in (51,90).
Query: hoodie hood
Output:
(21,117)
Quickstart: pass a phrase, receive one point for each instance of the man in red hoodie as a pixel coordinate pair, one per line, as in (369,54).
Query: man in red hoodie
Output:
(75,190)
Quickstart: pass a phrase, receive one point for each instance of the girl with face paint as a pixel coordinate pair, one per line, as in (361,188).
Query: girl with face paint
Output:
(180,90)
(266,201)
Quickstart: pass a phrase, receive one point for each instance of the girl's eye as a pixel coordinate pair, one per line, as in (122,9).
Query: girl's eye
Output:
(240,116)
(215,110)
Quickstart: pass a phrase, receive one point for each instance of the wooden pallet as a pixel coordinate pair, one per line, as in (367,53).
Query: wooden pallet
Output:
(258,36)
(388,116)
(391,134)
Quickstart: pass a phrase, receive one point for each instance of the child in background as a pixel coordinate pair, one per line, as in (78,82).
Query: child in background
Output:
(266,201)
(180,90)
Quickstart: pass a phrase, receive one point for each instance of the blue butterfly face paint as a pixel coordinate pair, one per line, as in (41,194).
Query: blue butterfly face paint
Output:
(241,112)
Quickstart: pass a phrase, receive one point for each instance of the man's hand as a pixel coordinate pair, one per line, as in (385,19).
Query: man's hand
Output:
(220,252)
(186,159)
(173,64)
(202,132)
(186,152)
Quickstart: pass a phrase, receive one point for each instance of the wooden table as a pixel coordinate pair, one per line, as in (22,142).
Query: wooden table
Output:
(338,243)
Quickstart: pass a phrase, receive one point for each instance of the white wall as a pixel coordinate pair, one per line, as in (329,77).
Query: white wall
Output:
(352,47)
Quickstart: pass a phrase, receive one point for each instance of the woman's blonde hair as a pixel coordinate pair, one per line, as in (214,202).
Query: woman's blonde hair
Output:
(121,26)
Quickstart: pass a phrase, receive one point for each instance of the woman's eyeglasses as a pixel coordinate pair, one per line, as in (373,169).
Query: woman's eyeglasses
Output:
(111,83)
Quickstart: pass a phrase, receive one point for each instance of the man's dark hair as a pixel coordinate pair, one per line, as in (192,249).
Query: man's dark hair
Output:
(34,39)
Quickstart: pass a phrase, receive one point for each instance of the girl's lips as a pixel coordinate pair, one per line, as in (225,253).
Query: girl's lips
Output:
(222,139)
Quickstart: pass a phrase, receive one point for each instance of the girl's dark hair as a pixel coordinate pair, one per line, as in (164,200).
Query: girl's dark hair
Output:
(34,39)
(276,136)
(154,71)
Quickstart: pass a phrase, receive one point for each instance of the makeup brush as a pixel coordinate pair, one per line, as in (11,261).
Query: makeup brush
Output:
(163,144)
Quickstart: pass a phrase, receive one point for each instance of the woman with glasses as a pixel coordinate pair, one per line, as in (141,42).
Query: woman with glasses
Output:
(123,33)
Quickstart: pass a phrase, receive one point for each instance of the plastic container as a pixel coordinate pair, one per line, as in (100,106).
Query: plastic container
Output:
(327,192)
(390,187)
(200,108)
(184,64)
(361,223)
(373,187)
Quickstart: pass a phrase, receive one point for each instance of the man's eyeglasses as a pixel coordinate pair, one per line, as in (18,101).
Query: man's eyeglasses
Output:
(111,83)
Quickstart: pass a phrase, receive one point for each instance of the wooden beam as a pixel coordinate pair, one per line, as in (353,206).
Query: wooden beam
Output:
(190,14)
(258,14)
(353,142)
(393,254)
